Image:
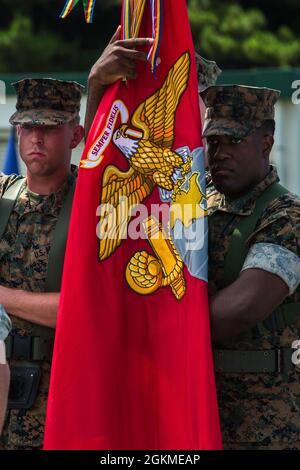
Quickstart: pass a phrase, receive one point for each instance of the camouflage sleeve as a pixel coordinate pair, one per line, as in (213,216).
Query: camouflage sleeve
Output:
(279,225)
(5,180)
(276,260)
(5,324)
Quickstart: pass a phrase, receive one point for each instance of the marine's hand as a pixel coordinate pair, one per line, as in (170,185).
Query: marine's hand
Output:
(36,307)
(119,59)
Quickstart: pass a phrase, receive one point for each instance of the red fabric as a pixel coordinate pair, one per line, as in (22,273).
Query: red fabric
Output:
(131,371)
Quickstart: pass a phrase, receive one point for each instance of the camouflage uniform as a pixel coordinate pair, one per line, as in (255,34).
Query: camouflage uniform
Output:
(25,245)
(45,101)
(5,324)
(24,250)
(5,328)
(207,72)
(237,110)
(258,410)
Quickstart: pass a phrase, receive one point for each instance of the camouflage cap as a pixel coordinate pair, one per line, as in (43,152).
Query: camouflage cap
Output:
(237,110)
(46,101)
(207,71)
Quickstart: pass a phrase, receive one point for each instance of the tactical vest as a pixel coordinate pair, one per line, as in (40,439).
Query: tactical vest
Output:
(39,346)
(260,361)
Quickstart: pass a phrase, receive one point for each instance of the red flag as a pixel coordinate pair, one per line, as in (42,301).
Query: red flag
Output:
(132,365)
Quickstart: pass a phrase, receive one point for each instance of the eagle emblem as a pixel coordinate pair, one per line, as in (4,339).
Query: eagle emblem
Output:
(147,146)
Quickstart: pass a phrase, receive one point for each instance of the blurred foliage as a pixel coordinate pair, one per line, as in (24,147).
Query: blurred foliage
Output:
(239,36)
(21,50)
(34,38)
(234,33)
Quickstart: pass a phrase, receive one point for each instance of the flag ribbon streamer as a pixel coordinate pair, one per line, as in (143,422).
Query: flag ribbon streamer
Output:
(88,6)
(132,16)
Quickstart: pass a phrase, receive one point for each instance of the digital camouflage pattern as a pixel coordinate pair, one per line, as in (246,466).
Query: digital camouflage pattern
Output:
(45,101)
(257,410)
(5,324)
(237,110)
(24,429)
(207,72)
(277,260)
(24,251)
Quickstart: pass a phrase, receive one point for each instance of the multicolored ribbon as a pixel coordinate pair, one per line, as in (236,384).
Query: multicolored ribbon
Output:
(132,16)
(70,4)
(156,13)
(88,6)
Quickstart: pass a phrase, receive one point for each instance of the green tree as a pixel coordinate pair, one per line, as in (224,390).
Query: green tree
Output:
(19,47)
(33,38)
(236,33)
(240,37)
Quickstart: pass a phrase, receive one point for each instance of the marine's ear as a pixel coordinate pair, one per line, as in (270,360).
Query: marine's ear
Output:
(78,134)
(267,144)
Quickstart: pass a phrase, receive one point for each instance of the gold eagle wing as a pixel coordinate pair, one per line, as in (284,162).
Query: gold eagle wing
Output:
(121,191)
(156,115)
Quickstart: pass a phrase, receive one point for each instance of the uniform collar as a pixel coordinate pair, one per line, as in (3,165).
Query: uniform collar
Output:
(51,203)
(244,205)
